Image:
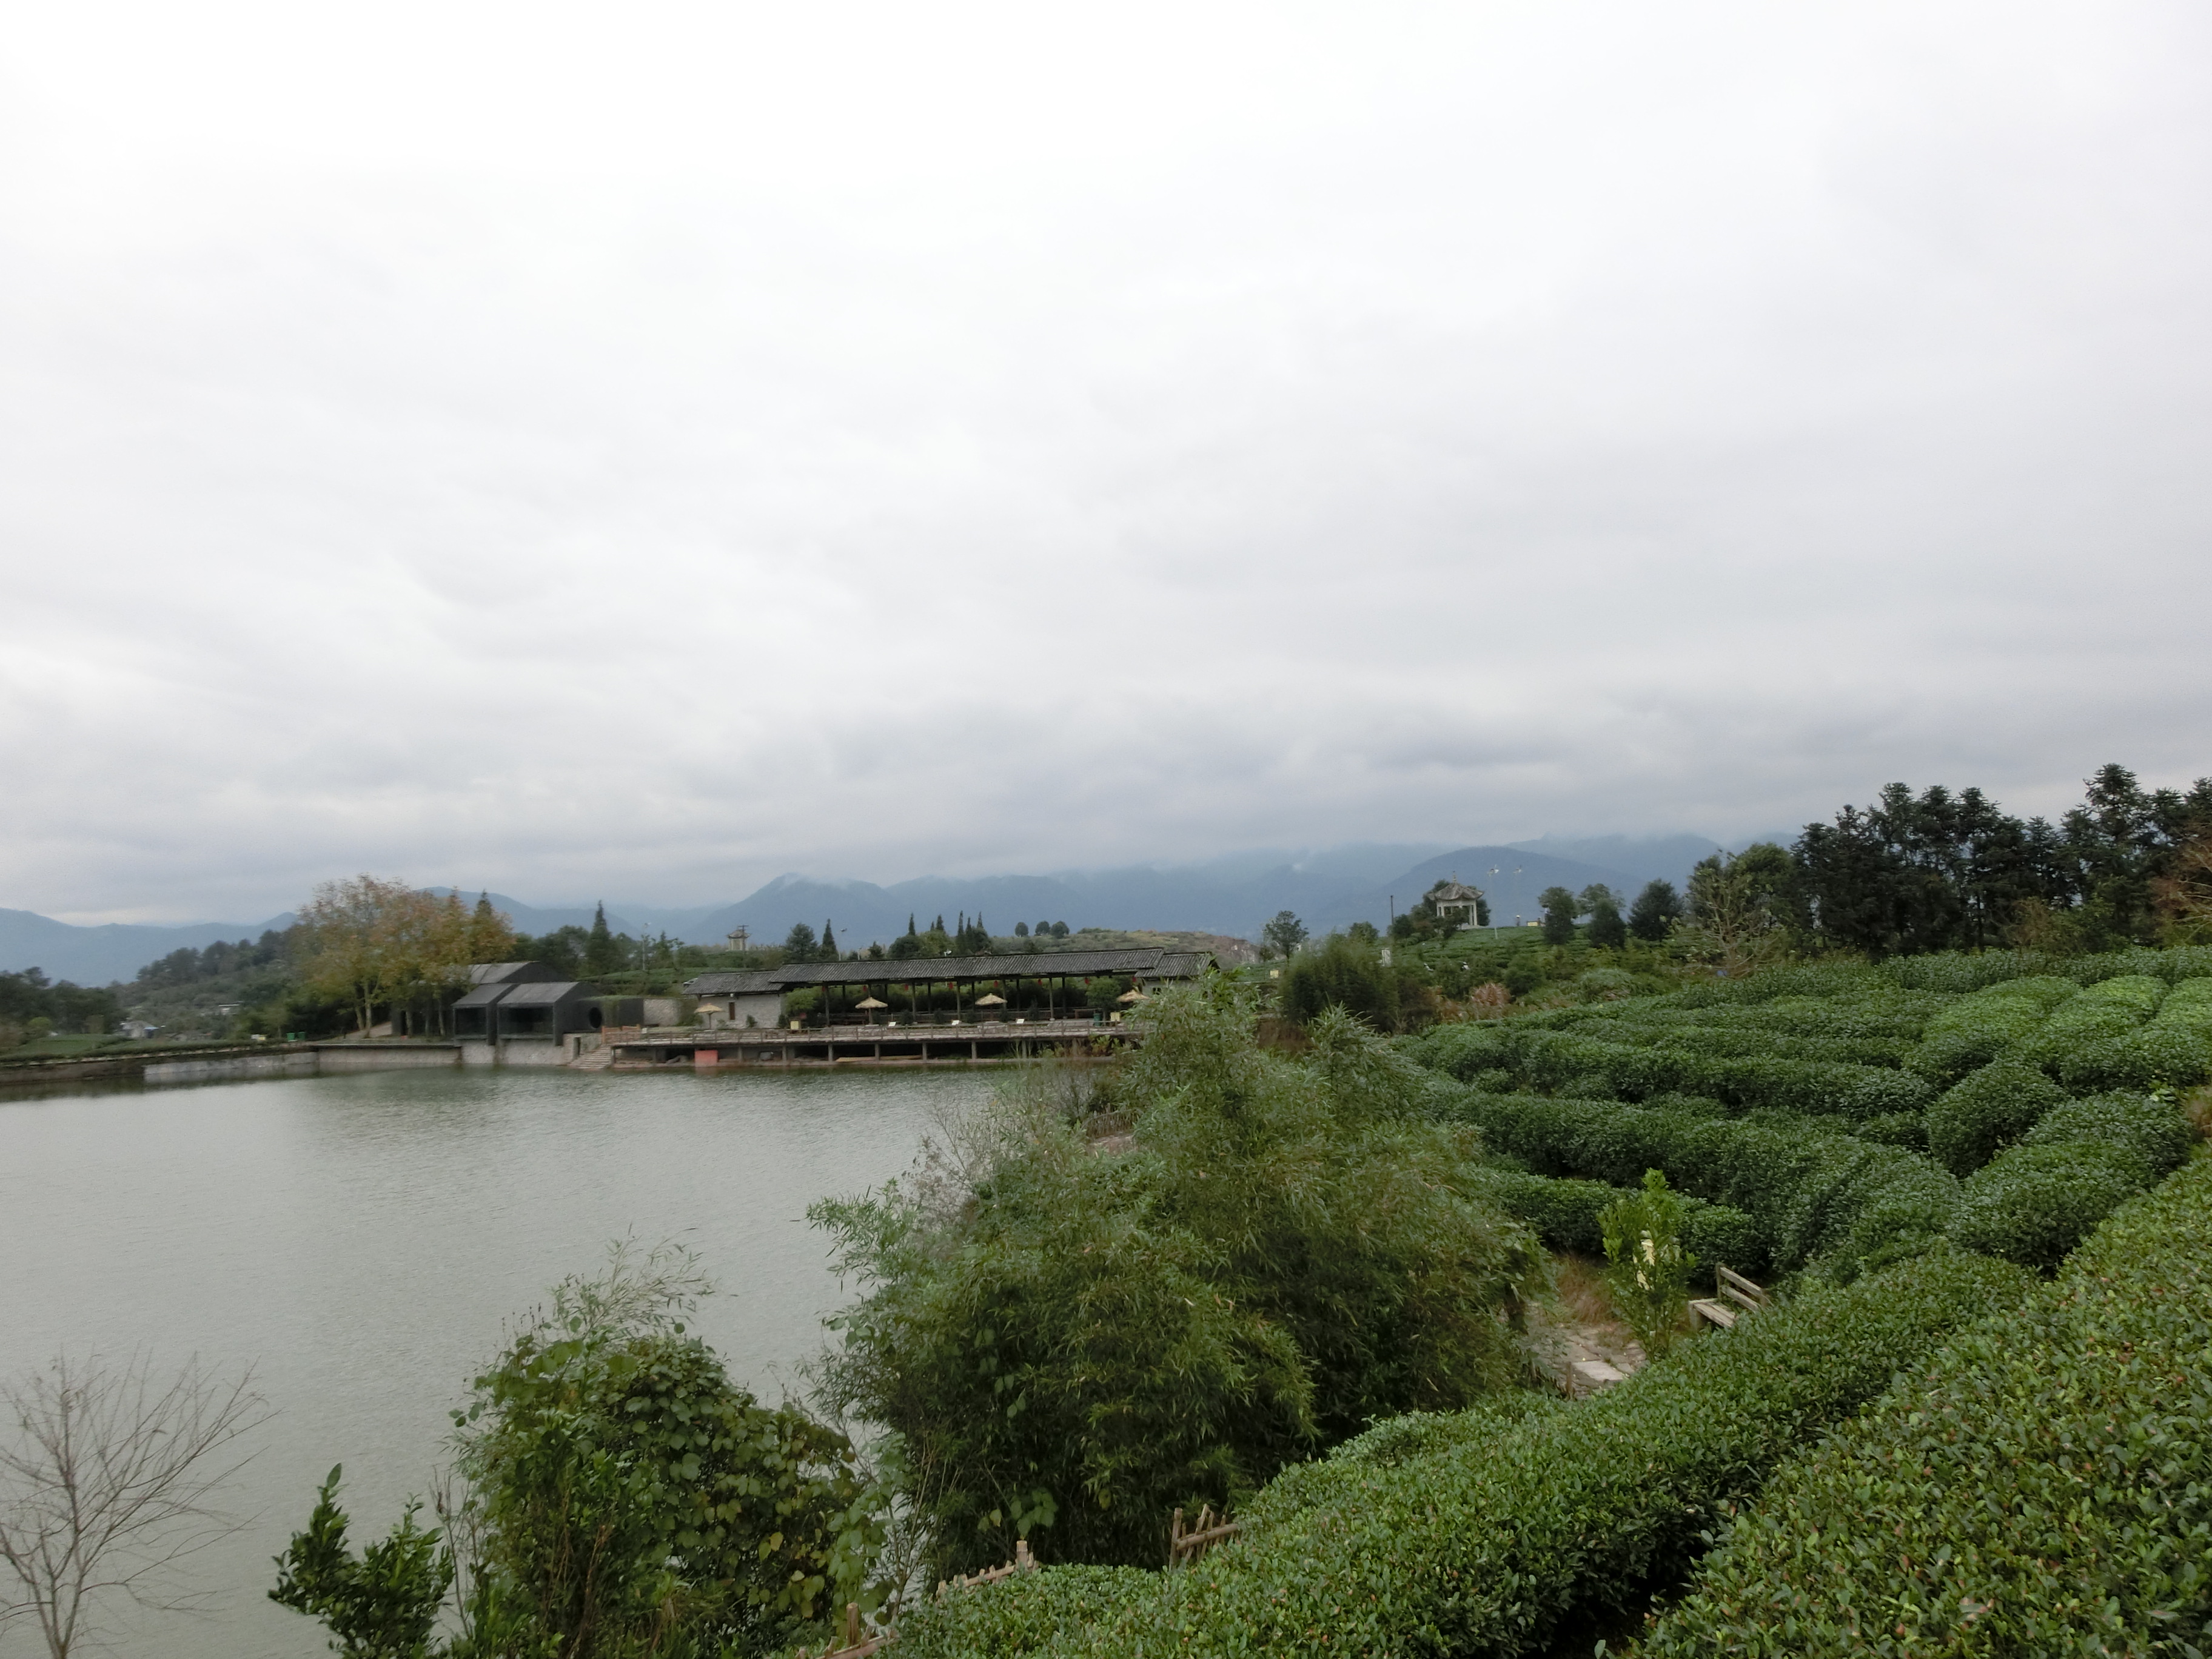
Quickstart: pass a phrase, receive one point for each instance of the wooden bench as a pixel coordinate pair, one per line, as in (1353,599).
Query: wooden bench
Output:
(1732,1287)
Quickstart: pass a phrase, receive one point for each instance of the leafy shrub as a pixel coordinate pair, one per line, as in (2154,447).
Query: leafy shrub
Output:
(1351,974)
(1070,1345)
(1559,1061)
(1647,1268)
(2173,1049)
(1960,970)
(1488,1546)
(1057,1610)
(624,1496)
(2074,1041)
(2040,1485)
(1718,1235)
(383,1603)
(1975,1120)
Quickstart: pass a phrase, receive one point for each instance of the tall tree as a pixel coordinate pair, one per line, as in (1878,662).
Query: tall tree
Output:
(491,933)
(1559,907)
(1657,909)
(601,953)
(1283,935)
(798,944)
(828,942)
(1740,909)
(374,943)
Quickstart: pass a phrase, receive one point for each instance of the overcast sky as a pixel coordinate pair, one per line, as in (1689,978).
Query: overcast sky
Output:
(638,449)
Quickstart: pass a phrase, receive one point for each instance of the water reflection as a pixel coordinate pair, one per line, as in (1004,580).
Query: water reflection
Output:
(362,1239)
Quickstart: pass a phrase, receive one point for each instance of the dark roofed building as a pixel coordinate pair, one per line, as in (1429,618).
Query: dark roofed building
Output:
(513,973)
(530,1003)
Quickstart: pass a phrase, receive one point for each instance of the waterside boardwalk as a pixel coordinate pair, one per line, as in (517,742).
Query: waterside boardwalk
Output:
(865,1045)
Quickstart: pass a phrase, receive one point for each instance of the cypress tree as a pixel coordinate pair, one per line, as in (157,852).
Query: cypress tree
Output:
(828,942)
(601,956)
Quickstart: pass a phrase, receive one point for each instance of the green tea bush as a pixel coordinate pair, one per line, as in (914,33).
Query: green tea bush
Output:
(2041,1485)
(2033,1204)
(2149,1128)
(1906,1129)
(1390,1442)
(1721,1041)
(1812,1193)
(1962,971)
(1559,1061)
(1975,1120)
(1826,980)
(2173,1049)
(1977,1029)
(2073,1041)
(1055,1610)
(1492,1545)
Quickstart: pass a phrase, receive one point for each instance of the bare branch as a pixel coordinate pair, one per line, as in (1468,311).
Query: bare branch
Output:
(108,1484)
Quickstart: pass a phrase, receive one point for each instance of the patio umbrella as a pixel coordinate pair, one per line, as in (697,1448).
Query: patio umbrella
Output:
(871,1002)
(991,1001)
(1130,996)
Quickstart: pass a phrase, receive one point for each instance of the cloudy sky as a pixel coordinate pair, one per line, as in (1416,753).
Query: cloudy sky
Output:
(638,449)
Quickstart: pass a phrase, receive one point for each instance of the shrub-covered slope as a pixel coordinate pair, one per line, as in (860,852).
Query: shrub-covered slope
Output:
(1808,1100)
(2042,1484)
(1481,1534)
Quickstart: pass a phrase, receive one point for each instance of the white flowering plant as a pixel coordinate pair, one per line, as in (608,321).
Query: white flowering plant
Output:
(1647,1273)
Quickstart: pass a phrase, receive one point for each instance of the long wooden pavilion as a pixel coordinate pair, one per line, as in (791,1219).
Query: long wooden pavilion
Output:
(938,990)
(923,1008)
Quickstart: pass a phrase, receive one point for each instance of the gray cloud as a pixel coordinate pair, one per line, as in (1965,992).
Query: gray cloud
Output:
(642,451)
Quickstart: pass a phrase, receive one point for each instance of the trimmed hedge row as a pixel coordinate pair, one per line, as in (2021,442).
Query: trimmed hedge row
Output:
(1893,1015)
(2042,1484)
(1813,1195)
(1568,1061)
(1977,1029)
(2079,1043)
(1728,1041)
(1976,1119)
(1563,1213)
(1958,971)
(2173,1048)
(2035,1202)
(1488,1543)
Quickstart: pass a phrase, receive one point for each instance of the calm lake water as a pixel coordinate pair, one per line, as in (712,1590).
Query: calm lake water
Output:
(359,1241)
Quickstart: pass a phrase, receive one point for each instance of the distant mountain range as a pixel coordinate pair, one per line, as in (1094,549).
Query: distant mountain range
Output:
(1234,895)
(112,950)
